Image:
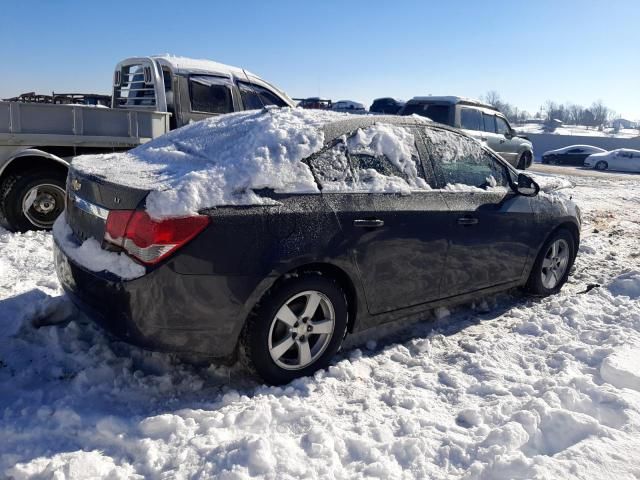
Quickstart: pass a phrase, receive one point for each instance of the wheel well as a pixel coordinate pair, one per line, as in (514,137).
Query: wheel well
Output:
(337,274)
(32,162)
(573,230)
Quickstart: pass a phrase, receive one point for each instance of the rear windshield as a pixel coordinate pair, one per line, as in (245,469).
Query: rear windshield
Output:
(437,113)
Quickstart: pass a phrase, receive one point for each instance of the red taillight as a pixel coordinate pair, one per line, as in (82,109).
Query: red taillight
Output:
(151,240)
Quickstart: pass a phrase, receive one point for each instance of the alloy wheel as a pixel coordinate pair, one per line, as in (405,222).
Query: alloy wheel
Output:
(301,330)
(555,263)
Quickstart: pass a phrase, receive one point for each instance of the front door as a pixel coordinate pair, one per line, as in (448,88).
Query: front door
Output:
(489,225)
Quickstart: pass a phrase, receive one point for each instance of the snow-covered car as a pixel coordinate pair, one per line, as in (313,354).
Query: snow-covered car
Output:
(571,155)
(348,106)
(623,159)
(275,233)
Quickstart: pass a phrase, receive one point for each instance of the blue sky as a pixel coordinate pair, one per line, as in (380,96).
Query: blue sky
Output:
(529,51)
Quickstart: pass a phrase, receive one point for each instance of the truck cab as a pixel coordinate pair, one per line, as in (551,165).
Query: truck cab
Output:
(150,96)
(189,89)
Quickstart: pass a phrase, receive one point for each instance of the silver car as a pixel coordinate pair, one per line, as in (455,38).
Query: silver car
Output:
(480,120)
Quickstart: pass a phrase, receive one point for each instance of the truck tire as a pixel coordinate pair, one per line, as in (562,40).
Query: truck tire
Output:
(32,200)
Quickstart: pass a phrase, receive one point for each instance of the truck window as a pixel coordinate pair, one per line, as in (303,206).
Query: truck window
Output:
(435,112)
(471,119)
(502,126)
(255,97)
(489,122)
(210,95)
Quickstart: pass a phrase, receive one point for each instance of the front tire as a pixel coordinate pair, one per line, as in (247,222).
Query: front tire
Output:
(525,161)
(601,165)
(297,328)
(33,200)
(553,264)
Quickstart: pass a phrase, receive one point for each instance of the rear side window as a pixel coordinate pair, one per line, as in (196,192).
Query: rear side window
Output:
(489,122)
(463,163)
(471,119)
(210,95)
(255,97)
(332,170)
(435,112)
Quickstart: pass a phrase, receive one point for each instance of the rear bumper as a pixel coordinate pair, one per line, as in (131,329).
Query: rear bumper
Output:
(162,310)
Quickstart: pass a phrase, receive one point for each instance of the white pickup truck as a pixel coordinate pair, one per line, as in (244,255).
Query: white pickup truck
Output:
(151,95)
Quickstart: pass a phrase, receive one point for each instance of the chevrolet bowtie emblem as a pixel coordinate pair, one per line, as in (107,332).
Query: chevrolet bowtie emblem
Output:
(75,184)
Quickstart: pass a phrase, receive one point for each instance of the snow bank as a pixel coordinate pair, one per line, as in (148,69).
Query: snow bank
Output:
(91,256)
(516,388)
(220,160)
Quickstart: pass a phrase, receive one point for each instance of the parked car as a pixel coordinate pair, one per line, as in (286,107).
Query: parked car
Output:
(386,105)
(623,159)
(480,120)
(571,155)
(348,106)
(302,250)
(314,103)
(151,95)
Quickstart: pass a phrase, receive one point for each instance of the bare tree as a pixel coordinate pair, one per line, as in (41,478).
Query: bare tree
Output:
(575,113)
(600,113)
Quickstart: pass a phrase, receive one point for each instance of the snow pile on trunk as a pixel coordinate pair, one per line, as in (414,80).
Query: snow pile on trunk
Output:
(91,256)
(219,160)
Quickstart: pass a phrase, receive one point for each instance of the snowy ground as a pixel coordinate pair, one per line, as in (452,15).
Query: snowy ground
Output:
(512,387)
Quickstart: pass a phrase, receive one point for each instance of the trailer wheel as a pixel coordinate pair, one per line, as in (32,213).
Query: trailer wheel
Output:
(32,200)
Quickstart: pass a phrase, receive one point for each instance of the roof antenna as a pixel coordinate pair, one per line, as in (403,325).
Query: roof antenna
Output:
(254,90)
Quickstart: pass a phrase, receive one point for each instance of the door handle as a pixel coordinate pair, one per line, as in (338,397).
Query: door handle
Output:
(467,221)
(501,141)
(368,223)
(484,139)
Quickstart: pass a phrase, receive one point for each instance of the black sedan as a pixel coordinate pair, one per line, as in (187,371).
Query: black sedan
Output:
(387,232)
(571,155)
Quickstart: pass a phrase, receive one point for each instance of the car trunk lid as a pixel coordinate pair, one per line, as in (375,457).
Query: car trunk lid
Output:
(90,199)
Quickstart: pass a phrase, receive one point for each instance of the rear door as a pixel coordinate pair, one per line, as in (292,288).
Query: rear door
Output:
(206,96)
(489,227)
(393,228)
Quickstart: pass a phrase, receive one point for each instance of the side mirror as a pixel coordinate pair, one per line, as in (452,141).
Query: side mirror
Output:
(526,186)
(510,134)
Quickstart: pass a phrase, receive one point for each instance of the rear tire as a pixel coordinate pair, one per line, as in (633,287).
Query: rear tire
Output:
(601,165)
(525,161)
(32,200)
(551,268)
(278,340)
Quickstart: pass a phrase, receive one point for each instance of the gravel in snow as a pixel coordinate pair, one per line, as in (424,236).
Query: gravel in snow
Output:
(511,387)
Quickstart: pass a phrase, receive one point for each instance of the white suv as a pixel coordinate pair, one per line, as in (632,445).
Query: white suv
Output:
(480,120)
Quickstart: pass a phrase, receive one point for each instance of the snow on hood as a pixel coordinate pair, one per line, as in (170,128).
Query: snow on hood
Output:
(550,183)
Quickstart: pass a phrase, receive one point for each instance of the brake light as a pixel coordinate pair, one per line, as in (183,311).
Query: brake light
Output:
(150,240)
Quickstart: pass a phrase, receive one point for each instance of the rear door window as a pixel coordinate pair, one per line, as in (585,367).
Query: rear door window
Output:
(379,158)
(471,119)
(462,163)
(210,94)
(489,122)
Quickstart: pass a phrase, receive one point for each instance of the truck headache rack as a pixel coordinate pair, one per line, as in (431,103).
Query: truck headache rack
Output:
(133,87)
